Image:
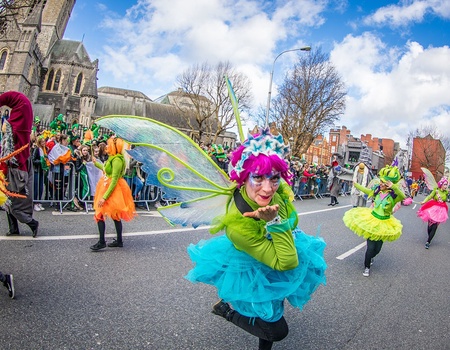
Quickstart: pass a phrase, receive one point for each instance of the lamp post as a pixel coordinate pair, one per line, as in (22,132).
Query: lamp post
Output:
(306,48)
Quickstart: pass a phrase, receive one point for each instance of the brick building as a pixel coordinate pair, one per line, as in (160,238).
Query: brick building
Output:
(318,152)
(429,153)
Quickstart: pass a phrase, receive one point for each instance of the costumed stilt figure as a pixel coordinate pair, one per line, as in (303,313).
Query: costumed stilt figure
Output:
(434,210)
(377,224)
(263,258)
(113,195)
(18,169)
(361,177)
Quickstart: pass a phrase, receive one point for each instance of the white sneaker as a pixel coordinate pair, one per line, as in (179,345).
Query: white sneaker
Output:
(37,208)
(366,272)
(41,207)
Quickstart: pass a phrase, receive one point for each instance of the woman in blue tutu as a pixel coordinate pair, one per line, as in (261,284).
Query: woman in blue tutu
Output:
(263,258)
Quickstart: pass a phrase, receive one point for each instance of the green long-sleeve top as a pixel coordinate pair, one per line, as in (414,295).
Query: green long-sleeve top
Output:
(272,245)
(437,194)
(384,201)
(114,168)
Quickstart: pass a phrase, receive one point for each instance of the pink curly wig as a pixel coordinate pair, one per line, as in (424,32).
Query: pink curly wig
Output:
(443,181)
(261,164)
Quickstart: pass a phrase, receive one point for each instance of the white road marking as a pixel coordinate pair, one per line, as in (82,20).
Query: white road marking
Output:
(129,234)
(94,235)
(351,251)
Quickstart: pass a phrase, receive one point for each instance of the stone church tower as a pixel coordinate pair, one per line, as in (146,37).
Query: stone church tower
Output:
(57,75)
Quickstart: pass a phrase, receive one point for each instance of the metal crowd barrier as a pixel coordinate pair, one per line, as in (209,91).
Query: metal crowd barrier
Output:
(61,186)
(56,186)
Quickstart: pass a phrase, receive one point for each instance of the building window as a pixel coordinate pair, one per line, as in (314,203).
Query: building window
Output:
(78,83)
(333,138)
(57,80)
(49,80)
(3,60)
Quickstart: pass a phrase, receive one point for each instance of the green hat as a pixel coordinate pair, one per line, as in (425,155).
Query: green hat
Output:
(74,138)
(390,173)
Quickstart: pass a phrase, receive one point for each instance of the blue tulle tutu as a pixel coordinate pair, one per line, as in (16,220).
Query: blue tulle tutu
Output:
(254,289)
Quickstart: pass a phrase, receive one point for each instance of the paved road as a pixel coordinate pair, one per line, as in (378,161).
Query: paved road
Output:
(68,297)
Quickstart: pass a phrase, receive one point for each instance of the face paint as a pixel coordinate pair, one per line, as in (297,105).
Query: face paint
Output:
(274,179)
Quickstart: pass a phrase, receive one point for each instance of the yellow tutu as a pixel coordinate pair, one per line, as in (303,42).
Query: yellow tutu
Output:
(361,221)
(119,205)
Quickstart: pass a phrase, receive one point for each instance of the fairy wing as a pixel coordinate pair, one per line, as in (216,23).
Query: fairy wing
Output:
(429,179)
(178,166)
(374,183)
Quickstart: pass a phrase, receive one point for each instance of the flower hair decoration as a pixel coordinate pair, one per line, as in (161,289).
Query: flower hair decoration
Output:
(267,141)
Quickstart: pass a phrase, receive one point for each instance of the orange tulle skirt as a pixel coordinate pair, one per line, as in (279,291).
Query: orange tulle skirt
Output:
(119,205)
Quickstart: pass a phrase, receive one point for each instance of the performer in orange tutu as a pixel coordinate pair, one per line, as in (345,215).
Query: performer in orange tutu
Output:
(113,195)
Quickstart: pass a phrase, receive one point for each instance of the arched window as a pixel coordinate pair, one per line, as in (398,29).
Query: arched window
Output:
(78,83)
(3,60)
(57,80)
(50,80)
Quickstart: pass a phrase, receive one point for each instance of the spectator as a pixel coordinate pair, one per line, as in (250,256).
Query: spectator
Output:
(132,178)
(41,166)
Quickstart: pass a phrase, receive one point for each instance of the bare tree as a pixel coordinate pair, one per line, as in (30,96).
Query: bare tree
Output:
(425,155)
(204,101)
(11,10)
(311,98)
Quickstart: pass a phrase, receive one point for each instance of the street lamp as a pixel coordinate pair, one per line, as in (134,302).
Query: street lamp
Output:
(306,48)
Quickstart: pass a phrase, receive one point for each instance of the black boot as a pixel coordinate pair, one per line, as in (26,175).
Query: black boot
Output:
(13,225)
(223,309)
(117,242)
(34,225)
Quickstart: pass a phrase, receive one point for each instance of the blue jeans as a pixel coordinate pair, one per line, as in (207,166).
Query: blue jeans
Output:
(38,189)
(135,184)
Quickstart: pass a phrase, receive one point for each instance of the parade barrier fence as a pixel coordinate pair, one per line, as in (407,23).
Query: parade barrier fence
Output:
(61,187)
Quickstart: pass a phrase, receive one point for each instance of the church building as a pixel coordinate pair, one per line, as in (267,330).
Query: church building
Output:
(59,77)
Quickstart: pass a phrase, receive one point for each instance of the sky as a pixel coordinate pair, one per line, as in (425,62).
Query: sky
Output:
(393,56)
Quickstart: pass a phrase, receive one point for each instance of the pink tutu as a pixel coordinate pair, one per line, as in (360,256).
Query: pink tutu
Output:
(433,211)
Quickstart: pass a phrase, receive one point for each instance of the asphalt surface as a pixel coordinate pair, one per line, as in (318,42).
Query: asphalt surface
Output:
(135,297)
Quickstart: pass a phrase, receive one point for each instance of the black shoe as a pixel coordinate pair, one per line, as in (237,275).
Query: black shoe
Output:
(14,233)
(330,204)
(9,284)
(223,309)
(336,203)
(34,225)
(97,246)
(115,244)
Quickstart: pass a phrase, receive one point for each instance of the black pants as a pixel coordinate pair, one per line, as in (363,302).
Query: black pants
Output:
(373,248)
(267,332)
(431,230)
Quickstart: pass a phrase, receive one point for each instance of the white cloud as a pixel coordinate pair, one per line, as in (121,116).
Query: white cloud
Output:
(408,12)
(157,40)
(393,92)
